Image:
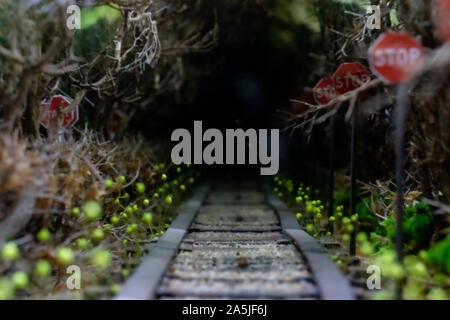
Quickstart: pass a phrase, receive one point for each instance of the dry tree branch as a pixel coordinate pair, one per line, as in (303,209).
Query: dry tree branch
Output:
(434,59)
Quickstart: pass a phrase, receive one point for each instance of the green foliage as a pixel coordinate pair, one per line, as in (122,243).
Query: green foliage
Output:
(417,227)
(439,256)
(96,34)
(297,12)
(418,230)
(342,197)
(289,185)
(90,17)
(365,213)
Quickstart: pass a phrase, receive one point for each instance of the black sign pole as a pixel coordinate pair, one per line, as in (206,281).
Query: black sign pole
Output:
(331,168)
(399,165)
(314,164)
(353,168)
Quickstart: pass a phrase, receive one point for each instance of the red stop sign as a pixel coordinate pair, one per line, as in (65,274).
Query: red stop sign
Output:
(396,57)
(115,120)
(52,113)
(350,76)
(298,107)
(443,19)
(324,91)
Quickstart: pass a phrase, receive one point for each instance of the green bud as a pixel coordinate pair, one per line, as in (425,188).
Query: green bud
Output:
(115,289)
(82,243)
(10,251)
(350,228)
(346,220)
(20,279)
(346,237)
(75,212)
(65,256)
(101,259)
(366,249)
(98,235)
(92,210)
(43,235)
(147,218)
(7,290)
(437,294)
(423,255)
(43,268)
(115,220)
(109,184)
(140,187)
(361,237)
(131,228)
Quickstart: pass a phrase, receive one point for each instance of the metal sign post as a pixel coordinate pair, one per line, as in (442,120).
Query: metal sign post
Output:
(347,78)
(331,168)
(324,92)
(396,57)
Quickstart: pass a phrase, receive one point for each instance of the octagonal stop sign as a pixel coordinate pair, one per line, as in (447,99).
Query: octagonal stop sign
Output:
(324,91)
(396,57)
(350,76)
(52,113)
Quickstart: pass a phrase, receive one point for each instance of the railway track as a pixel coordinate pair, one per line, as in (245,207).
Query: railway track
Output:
(236,241)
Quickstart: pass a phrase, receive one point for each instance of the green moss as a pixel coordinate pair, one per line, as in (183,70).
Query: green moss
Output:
(342,197)
(417,227)
(365,213)
(439,256)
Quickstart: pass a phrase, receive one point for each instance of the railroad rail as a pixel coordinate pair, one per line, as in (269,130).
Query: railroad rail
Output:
(236,240)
